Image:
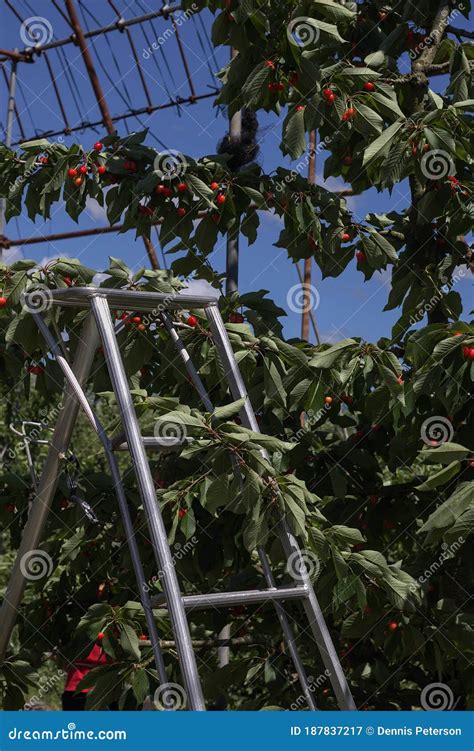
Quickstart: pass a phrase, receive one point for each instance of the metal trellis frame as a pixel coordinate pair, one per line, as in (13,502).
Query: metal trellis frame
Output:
(98,327)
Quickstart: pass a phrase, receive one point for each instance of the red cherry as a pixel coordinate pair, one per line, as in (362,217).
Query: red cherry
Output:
(10,507)
(220,199)
(346,399)
(136,319)
(236,318)
(453,179)
(181,211)
(78,181)
(347,160)
(269,63)
(141,327)
(83,169)
(182,187)
(382,15)
(72,172)
(272,87)
(327,93)
(192,321)
(299,108)
(345,237)
(64,503)
(68,281)
(101,169)
(100,636)
(392,626)
(400,380)
(143,637)
(293,79)
(280,87)
(98,146)
(160,189)
(348,114)
(332,98)
(360,256)
(182,513)
(168,192)
(3,301)
(369,86)
(214,185)
(36,369)
(131,166)
(215,217)
(471,463)
(328,400)
(44,160)
(414,150)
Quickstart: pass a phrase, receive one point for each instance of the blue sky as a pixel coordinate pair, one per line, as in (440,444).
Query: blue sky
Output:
(347,307)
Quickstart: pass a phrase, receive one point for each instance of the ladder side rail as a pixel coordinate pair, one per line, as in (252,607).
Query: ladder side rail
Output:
(41,504)
(280,611)
(289,542)
(81,398)
(146,487)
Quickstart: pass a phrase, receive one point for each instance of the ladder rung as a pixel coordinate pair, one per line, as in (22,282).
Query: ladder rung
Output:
(150,442)
(229,599)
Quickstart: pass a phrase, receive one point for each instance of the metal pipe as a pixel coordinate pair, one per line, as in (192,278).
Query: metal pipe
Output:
(134,113)
(88,62)
(153,302)
(231,599)
(41,505)
(8,132)
(167,572)
(81,398)
(289,542)
(117,26)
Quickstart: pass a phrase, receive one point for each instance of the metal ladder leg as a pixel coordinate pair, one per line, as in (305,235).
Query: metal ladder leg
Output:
(120,493)
(41,505)
(179,622)
(280,611)
(289,542)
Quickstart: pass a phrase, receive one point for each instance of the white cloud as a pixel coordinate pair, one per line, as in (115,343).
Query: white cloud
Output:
(10,255)
(200,287)
(95,210)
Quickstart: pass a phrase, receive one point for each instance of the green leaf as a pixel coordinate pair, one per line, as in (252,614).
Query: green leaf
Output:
(382,144)
(327,357)
(229,410)
(129,640)
(255,84)
(444,454)
(294,135)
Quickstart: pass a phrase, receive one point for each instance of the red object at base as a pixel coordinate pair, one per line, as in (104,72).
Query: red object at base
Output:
(80,668)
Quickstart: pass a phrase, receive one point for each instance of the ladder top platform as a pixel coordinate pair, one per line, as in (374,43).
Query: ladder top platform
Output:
(125,299)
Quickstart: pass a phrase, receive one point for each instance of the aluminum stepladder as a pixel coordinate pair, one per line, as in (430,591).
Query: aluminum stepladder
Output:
(99,328)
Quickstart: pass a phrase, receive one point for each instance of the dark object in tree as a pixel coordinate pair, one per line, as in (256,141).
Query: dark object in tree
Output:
(246,149)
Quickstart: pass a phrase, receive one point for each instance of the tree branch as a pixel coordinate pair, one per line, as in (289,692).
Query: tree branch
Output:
(438,29)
